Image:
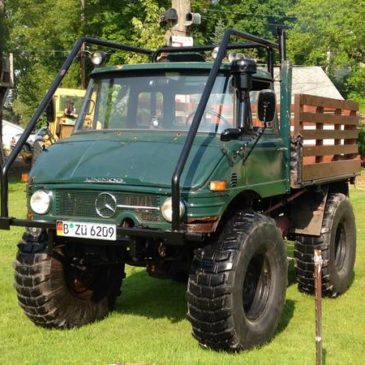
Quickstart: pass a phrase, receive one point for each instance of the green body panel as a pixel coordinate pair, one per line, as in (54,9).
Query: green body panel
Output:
(146,166)
(285,115)
(141,162)
(138,158)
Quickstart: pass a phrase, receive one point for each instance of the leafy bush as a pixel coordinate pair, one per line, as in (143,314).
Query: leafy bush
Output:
(361,139)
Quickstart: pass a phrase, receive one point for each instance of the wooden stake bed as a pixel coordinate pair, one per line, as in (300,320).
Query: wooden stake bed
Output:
(324,140)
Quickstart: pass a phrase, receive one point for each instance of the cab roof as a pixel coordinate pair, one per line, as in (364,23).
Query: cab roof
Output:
(171,66)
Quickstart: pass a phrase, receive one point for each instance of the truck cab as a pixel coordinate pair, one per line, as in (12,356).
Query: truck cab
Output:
(129,136)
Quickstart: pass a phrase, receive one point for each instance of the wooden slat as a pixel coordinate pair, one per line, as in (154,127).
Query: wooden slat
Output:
(330,134)
(330,150)
(318,171)
(328,118)
(327,102)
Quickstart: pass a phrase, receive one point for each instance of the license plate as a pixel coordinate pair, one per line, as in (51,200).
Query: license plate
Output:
(94,231)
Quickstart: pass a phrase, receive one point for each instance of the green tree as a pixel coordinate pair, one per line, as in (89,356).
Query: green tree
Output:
(43,32)
(331,34)
(249,16)
(3,88)
(40,43)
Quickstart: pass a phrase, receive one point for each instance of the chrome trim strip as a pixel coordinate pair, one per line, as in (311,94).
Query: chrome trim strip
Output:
(137,207)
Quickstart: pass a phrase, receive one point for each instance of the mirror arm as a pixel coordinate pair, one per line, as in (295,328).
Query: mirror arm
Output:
(259,134)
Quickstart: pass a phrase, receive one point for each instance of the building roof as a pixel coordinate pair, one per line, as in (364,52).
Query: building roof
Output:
(311,80)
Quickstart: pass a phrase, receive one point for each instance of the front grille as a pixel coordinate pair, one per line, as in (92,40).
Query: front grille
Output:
(74,203)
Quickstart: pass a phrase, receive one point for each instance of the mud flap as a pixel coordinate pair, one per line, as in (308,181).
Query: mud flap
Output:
(307,213)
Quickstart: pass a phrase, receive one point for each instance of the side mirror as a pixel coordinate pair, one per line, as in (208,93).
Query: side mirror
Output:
(50,112)
(266,105)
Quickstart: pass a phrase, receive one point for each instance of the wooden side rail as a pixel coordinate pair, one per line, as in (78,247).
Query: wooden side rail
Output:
(325,131)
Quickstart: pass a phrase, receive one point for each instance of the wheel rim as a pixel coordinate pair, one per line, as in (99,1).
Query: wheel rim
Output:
(340,246)
(256,286)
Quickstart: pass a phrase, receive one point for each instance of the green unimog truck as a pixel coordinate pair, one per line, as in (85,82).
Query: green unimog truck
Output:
(192,169)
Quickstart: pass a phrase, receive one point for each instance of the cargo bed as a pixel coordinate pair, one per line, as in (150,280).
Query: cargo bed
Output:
(324,134)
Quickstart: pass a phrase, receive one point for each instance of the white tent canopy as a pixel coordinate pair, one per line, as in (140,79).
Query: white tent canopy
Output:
(9,131)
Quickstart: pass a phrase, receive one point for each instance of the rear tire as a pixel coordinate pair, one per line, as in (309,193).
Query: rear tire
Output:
(236,289)
(53,293)
(338,245)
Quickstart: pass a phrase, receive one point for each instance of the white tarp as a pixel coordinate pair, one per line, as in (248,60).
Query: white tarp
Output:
(9,131)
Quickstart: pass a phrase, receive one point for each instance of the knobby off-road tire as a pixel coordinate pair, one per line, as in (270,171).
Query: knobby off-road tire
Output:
(52,294)
(236,289)
(338,245)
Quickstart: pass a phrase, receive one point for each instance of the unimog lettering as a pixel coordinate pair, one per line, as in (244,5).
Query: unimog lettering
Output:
(113,180)
(197,171)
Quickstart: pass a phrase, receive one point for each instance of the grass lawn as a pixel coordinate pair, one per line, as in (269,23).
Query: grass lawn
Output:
(149,324)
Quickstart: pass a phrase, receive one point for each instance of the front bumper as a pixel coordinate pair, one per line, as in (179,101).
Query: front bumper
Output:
(176,238)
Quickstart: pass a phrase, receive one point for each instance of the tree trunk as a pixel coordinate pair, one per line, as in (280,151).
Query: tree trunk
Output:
(2,96)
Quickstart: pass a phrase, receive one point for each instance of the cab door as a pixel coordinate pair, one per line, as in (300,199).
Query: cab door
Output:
(264,169)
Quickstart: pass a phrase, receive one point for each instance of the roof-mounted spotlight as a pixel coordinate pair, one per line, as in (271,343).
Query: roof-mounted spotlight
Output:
(215,53)
(235,57)
(98,58)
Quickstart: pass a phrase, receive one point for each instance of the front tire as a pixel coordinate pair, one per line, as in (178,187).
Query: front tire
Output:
(53,293)
(236,289)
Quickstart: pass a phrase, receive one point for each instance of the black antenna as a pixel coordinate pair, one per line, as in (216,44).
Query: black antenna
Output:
(281,33)
(278,29)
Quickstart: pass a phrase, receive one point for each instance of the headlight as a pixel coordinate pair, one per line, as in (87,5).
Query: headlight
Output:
(166,209)
(40,202)
(98,58)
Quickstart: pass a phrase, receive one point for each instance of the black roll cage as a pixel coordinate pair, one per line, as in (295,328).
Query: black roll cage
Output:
(253,42)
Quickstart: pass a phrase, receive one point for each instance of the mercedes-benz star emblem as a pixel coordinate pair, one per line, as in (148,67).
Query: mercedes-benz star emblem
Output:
(105,205)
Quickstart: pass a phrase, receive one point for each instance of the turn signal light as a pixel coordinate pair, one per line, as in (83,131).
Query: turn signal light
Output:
(218,185)
(29,215)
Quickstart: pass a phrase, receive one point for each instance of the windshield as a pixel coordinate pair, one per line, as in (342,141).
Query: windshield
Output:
(156,102)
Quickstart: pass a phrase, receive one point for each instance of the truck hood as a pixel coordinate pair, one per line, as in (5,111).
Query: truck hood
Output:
(143,159)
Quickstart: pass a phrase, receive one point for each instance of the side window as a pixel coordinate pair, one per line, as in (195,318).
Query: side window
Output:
(219,112)
(150,110)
